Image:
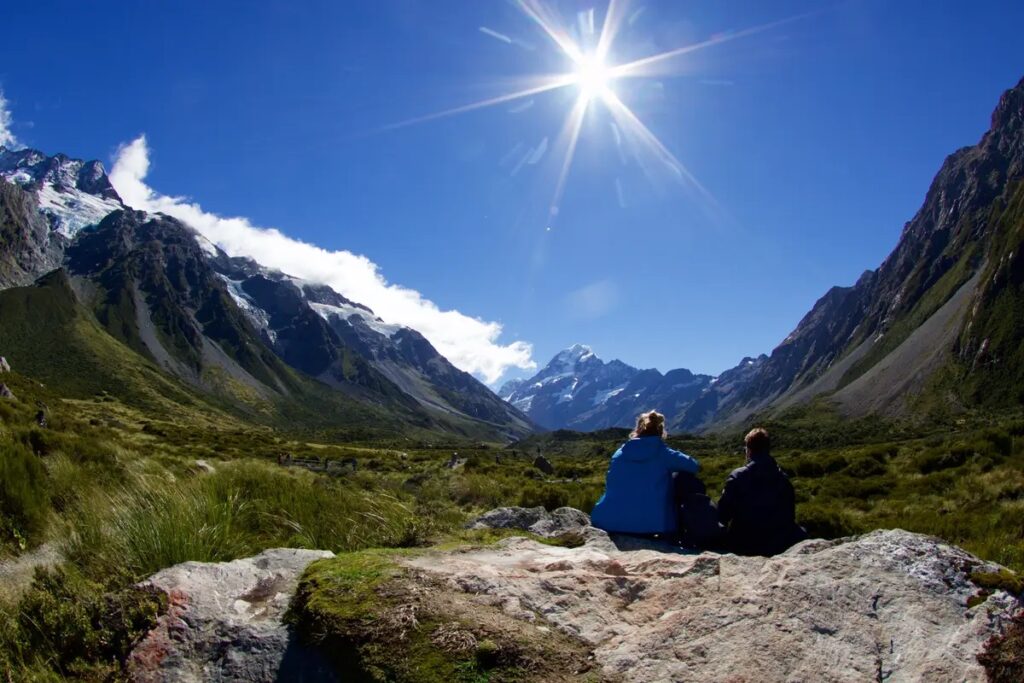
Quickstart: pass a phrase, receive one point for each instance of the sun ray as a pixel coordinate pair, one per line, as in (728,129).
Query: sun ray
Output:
(630,124)
(639,67)
(571,133)
(550,83)
(549,24)
(593,75)
(610,28)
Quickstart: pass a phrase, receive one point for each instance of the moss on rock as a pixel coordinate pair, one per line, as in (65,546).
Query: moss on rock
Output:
(381,621)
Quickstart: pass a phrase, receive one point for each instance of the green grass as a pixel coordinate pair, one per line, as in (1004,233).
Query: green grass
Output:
(118,487)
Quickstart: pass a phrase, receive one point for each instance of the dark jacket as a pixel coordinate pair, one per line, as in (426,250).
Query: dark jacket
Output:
(638,492)
(758,508)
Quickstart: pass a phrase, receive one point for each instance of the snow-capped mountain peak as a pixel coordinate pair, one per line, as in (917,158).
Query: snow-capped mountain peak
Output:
(578,390)
(72,193)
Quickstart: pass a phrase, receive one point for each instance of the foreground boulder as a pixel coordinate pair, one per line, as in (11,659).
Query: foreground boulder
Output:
(225,623)
(888,605)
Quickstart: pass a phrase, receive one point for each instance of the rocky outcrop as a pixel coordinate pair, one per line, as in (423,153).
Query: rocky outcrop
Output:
(28,248)
(535,520)
(889,605)
(225,623)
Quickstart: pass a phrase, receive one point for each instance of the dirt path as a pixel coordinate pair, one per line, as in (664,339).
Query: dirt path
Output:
(16,572)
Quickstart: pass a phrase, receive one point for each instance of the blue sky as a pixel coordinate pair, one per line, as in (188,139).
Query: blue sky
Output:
(817,140)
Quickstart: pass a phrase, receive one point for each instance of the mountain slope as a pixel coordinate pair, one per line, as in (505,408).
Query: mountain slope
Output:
(28,247)
(330,337)
(938,326)
(876,345)
(227,328)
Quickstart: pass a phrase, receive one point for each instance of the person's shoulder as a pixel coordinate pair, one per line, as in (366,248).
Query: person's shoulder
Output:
(739,472)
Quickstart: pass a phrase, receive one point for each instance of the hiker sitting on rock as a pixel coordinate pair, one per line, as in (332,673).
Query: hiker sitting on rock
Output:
(639,491)
(757,505)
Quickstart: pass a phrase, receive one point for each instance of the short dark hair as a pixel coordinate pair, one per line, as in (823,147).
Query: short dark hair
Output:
(757,441)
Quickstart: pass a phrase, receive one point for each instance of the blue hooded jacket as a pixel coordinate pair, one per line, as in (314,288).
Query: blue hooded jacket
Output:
(638,492)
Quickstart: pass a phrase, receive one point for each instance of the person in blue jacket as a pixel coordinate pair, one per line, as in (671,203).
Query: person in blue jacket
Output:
(639,496)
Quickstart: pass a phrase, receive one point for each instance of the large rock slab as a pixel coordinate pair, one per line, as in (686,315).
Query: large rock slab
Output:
(225,624)
(888,605)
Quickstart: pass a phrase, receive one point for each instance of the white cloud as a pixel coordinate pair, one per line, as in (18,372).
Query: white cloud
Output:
(7,138)
(469,343)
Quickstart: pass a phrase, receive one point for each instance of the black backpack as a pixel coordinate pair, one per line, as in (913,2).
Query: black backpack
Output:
(697,514)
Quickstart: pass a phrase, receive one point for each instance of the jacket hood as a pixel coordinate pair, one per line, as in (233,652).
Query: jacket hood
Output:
(642,448)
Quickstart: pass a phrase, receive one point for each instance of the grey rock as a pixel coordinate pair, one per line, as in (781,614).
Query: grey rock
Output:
(455,462)
(4,365)
(225,624)
(5,392)
(205,466)
(889,605)
(535,520)
(543,464)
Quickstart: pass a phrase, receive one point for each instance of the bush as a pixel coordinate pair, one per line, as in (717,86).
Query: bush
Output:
(941,459)
(823,522)
(818,465)
(543,495)
(24,508)
(865,467)
(1003,656)
(77,629)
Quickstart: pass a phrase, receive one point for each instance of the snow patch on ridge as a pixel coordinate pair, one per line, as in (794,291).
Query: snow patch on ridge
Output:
(256,315)
(344,312)
(72,210)
(602,397)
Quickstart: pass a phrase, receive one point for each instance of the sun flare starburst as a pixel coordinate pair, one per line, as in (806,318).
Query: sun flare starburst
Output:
(587,48)
(593,77)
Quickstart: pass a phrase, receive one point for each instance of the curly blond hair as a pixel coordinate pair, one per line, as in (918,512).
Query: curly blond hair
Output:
(651,423)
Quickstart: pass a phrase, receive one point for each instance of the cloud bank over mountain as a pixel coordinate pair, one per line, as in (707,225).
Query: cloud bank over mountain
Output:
(471,344)
(7,138)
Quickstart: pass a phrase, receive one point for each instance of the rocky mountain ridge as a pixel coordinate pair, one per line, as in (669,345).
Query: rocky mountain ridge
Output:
(577,390)
(216,322)
(932,328)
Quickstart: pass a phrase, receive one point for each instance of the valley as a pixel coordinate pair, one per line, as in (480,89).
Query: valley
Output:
(163,401)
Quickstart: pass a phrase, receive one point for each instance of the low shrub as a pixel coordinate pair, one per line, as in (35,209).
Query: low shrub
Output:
(24,508)
(866,467)
(935,460)
(73,627)
(547,496)
(1003,656)
(821,522)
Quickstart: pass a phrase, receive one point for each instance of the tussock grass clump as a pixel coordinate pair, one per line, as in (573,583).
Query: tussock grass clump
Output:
(238,510)
(24,505)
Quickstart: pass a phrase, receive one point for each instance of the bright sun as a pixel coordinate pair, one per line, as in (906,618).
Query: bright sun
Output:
(593,77)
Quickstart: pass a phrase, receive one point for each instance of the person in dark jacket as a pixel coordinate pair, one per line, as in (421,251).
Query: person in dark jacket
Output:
(638,496)
(757,505)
